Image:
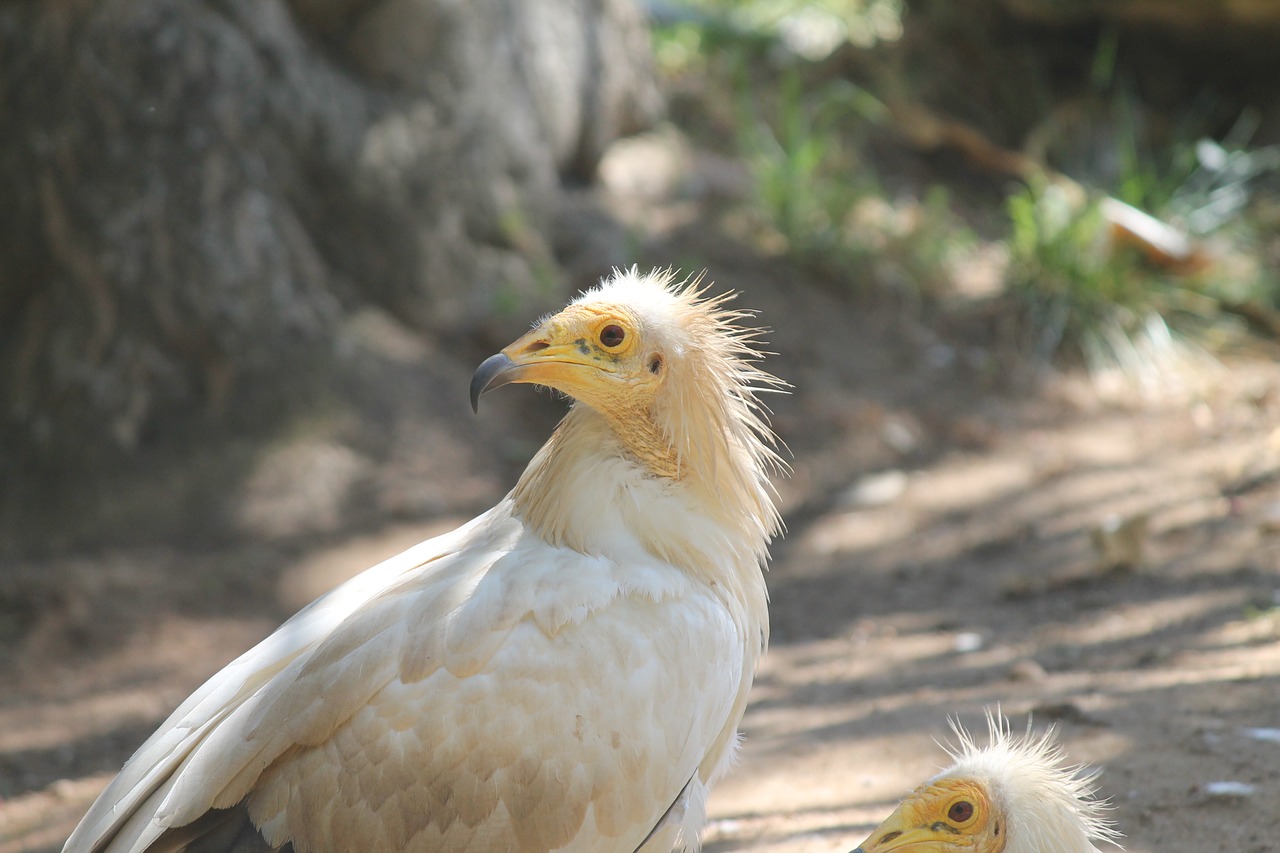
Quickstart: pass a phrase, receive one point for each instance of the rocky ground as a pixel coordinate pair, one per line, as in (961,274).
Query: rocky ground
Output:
(1104,560)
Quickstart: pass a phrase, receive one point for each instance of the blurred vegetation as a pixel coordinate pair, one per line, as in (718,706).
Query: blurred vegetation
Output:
(815,98)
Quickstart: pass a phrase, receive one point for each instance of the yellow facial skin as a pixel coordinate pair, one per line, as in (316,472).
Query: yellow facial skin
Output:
(590,354)
(947,816)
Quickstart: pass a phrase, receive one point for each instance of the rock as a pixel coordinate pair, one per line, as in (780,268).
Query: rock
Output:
(1120,543)
(1027,670)
(1270,735)
(877,489)
(197,191)
(900,435)
(1227,789)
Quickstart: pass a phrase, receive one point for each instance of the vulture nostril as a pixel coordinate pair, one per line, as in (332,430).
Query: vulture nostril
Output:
(536,346)
(887,837)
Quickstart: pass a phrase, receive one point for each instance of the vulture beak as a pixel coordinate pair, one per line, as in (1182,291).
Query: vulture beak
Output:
(546,356)
(494,372)
(897,834)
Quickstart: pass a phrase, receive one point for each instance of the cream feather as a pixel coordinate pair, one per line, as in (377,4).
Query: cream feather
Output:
(565,672)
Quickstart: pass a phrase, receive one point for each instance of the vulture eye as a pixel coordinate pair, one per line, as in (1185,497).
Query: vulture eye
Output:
(960,811)
(612,336)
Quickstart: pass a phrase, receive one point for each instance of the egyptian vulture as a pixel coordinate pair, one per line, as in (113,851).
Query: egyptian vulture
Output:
(1014,795)
(565,672)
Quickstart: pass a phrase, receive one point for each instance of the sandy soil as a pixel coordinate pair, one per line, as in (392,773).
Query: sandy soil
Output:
(947,551)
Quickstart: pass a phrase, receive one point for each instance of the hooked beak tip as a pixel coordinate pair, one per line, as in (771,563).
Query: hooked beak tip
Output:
(490,375)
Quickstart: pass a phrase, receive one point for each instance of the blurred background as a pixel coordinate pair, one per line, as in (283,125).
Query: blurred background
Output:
(1018,258)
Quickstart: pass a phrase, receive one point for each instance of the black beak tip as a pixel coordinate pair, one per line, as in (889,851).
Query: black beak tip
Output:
(486,374)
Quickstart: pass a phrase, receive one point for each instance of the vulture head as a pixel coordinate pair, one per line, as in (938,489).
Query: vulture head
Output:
(1013,795)
(669,374)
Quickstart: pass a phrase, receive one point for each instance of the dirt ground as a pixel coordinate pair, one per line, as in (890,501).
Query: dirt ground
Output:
(1107,562)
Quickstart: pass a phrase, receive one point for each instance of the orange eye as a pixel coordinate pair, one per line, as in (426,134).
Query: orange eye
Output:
(612,336)
(960,811)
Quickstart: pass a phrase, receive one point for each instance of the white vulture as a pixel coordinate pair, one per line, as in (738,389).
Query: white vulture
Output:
(566,672)
(1014,795)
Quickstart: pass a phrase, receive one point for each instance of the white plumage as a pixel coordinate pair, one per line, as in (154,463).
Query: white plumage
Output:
(1013,795)
(565,672)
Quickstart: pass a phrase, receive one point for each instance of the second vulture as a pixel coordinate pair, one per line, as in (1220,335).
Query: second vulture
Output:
(1013,795)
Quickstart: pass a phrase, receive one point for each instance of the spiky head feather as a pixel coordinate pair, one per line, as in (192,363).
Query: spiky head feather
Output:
(1049,805)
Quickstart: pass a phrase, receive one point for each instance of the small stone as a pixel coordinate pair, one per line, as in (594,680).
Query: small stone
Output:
(1229,789)
(899,436)
(1027,670)
(63,789)
(878,489)
(1120,542)
(1266,734)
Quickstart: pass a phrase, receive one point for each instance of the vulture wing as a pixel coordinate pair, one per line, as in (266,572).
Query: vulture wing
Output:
(481,691)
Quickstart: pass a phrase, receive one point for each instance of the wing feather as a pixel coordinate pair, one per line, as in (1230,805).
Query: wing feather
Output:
(545,764)
(483,690)
(161,756)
